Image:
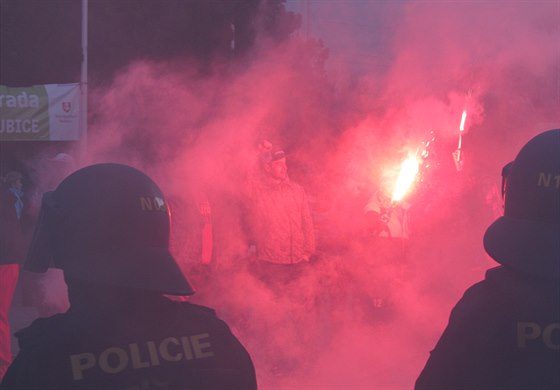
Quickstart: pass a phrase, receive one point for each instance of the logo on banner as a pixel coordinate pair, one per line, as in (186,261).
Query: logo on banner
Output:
(40,112)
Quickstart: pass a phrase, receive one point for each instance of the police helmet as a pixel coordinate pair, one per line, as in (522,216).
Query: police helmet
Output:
(108,223)
(527,236)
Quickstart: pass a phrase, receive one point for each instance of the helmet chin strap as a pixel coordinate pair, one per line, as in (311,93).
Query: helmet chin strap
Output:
(505,173)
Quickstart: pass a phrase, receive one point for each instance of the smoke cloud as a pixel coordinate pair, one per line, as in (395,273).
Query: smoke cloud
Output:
(355,319)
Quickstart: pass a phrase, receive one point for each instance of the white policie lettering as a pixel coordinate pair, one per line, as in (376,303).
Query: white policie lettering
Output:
(116,359)
(530,331)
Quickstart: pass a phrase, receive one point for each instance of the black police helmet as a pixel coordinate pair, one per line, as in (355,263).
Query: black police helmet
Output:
(109,224)
(527,237)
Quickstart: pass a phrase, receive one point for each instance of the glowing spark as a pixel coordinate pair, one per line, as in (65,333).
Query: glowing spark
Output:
(463,119)
(409,169)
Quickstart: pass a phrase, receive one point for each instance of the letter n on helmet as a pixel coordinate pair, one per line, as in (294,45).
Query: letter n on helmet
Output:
(527,237)
(108,223)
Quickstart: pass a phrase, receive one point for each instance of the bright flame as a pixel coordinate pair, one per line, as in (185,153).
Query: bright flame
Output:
(463,119)
(409,169)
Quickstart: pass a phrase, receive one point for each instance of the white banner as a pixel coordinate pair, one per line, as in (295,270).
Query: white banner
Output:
(40,113)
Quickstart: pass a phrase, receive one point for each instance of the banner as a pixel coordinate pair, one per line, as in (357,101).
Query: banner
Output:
(48,112)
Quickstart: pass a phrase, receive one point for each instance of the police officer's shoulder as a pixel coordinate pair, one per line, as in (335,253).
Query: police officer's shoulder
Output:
(204,313)
(498,280)
(508,277)
(41,330)
(499,273)
(505,287)
(487,293)
(196,309)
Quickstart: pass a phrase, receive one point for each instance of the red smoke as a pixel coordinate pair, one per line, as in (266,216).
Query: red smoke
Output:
(343,131)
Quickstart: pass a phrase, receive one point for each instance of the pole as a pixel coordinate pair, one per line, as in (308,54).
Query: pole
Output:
(84,80)
(307,19)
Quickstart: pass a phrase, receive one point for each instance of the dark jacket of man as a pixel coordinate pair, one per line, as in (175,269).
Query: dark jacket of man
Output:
(142,343)
(11,229)
(503,334)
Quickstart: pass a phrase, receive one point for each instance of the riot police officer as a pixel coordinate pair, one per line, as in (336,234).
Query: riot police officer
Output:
(107,227)
(505,331)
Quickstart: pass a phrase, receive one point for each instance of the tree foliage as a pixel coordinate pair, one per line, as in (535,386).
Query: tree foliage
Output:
(41,40)
(40,43)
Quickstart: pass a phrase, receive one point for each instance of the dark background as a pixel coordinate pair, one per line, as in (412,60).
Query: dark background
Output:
(40,43)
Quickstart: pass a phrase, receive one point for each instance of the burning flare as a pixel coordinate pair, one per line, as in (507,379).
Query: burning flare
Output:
(407,175)
(463,119)
(457,154)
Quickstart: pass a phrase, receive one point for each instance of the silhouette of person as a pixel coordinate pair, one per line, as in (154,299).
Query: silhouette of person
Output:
(504,333)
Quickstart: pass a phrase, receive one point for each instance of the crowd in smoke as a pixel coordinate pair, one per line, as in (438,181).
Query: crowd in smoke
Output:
(348,323)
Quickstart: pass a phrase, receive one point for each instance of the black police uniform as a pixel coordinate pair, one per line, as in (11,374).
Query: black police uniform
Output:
(156,343)
(503,334)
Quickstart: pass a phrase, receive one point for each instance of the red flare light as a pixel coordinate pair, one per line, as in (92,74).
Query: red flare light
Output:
(407,176)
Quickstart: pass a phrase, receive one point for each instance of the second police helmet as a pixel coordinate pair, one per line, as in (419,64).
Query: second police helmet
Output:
(527,236)
(108,223)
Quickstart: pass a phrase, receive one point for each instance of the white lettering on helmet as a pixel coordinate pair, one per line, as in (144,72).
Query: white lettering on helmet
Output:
(142,355)
(159,203)
(548,180)
(152,203)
